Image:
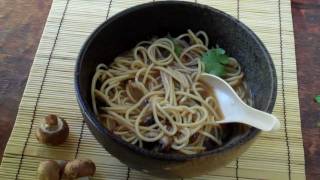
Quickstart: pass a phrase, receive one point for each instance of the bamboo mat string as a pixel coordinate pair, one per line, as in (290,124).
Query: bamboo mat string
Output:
(109,7)
(283,89)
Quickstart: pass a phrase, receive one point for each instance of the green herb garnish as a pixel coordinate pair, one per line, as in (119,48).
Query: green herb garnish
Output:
(317,99)
(214,61)
(177,47)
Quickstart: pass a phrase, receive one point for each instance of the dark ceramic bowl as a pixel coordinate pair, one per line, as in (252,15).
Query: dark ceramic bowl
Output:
(122,31)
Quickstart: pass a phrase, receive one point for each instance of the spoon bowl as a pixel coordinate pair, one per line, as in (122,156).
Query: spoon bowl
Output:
(234,110)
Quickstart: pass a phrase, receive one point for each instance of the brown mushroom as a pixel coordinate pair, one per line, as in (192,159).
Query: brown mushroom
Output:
(62,165)
(165,144)
(52,130)
(79,168)
(49,170)
(83,178)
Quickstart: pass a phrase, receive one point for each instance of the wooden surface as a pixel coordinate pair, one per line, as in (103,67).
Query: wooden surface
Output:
(21,24)
(306,20)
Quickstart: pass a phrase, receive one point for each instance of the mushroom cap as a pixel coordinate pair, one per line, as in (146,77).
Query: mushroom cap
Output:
(49,170)
(79,168)
(52,131)
(62,165)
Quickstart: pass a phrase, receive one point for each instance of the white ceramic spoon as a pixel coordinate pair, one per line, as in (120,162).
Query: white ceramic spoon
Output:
(235,110)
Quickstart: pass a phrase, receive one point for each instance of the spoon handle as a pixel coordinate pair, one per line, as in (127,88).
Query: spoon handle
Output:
(257,119)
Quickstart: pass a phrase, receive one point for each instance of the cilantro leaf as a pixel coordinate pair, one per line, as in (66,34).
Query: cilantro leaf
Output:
(317,99)
(214,61)
(177,47)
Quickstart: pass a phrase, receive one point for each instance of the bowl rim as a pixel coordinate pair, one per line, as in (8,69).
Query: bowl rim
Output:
(91,117)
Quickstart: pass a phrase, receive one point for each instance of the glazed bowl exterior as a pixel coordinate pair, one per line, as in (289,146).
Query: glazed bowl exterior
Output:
(122,31)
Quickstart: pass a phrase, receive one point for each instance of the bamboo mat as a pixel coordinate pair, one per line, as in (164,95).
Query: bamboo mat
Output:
(50,89)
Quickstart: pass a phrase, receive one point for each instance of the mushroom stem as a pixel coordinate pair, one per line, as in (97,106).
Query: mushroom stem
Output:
(51,124)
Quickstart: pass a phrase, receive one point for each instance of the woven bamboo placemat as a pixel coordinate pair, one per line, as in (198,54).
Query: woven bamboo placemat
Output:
(50,89)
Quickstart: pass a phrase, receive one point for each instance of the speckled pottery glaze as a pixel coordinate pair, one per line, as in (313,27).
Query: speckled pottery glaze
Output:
(122,31)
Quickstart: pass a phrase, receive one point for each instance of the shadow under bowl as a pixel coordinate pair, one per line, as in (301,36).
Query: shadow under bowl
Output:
(122,31)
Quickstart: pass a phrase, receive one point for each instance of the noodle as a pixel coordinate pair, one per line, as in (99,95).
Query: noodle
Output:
(152,94)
